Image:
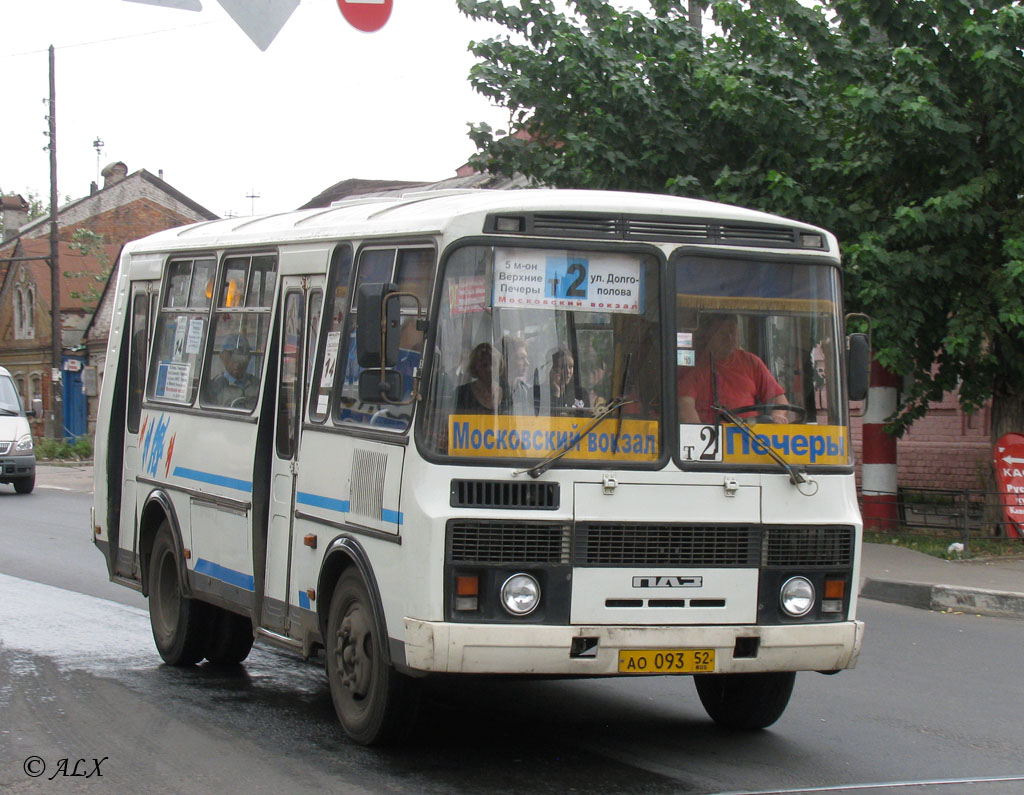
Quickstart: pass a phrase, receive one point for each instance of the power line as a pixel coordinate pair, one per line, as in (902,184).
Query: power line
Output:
(114,38)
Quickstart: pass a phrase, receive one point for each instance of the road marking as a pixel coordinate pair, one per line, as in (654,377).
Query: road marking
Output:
(939,782)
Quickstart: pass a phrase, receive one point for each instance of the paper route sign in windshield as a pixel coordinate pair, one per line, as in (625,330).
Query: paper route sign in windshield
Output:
(579,282)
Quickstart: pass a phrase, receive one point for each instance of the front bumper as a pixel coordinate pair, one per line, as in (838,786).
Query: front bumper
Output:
(545,650)
(16,467)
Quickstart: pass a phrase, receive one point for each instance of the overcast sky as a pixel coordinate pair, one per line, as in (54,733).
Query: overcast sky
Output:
(189,93)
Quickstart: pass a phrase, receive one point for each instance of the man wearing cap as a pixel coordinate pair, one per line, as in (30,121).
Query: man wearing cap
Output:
(236,387)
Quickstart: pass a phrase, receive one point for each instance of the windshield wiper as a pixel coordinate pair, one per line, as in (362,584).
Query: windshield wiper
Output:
(543,466)
(796,477)
(9,412)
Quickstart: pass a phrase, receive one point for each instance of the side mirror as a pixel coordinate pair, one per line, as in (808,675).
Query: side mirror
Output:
(37,408)
(377,330)
(858,365)
(376,386)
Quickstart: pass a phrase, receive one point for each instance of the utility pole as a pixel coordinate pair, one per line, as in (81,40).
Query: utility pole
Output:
(56,348)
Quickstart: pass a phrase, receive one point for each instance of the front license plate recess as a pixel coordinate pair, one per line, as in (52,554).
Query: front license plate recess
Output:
(666,661)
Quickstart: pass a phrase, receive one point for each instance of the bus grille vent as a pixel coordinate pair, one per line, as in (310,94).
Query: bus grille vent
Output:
(677,230)
(366,493)
(475,541)
(549,225)
(775,236)
(4,447)
(620,544)
(809,546)
(504,494)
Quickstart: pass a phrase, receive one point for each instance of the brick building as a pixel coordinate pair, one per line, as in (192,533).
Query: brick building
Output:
(129,206)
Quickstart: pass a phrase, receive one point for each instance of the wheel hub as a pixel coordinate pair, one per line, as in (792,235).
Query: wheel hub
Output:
(355,651)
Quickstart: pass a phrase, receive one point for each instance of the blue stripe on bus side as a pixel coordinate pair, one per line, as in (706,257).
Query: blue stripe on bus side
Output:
(395,517)
(213,479)
(331,504)
(342,506)
(230,576)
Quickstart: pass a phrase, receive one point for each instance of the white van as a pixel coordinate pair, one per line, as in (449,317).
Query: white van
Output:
(17,456)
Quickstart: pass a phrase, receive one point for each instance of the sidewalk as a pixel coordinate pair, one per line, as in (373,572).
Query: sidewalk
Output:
(993,586)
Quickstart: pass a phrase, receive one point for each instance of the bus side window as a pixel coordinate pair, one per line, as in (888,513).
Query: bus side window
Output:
(180,330)
(334,310)
(412,269)
(137,360)
(237,354)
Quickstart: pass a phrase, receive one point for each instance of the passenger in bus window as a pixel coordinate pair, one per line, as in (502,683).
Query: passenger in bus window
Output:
(520,390)
(725,375)
(564,390)
(235,387)
(485,392)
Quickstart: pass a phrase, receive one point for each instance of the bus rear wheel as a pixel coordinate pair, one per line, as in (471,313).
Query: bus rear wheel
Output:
(230,637)
(375,704)
(745,701)
(179,623)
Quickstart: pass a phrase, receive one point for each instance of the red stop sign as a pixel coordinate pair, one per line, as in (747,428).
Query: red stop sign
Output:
(366,15)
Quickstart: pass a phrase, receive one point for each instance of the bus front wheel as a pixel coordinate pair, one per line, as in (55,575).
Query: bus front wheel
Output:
(374,703)
(179,623)
(745,701)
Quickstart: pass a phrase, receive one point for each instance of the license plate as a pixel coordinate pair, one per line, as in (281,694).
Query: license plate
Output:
(666,661)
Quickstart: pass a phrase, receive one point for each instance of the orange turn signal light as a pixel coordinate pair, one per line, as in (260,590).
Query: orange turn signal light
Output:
(835,589)
(467,585)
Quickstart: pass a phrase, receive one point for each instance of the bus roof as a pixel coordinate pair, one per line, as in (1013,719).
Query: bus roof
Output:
(427,212)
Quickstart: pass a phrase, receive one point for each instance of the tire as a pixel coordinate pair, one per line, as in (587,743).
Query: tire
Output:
(745,701)
(229,637)
(179,623)
(375,704)
(26,484)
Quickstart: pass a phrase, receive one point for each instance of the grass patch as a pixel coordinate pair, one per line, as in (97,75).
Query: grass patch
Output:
(937,544)
(79,449)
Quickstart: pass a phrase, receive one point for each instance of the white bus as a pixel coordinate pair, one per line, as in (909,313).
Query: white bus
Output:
(489,432)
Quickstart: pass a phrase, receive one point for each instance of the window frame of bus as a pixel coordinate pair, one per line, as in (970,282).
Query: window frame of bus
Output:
(658,268)
(817,260)
(407,313)
(341,265)
(138,356)
(263,308)
(161,325)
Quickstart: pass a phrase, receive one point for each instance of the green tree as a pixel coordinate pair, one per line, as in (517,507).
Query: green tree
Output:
(90,244)
(896,123)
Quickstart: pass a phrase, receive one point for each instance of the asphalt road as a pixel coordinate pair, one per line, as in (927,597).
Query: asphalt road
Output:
(935,698)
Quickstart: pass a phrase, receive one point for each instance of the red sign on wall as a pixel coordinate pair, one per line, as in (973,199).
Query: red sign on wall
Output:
(1008,460)
(366,15)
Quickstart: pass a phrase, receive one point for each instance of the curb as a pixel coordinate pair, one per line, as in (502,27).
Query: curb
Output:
(1001,604)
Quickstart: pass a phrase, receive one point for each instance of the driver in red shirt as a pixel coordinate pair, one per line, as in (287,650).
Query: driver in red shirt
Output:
(725,375)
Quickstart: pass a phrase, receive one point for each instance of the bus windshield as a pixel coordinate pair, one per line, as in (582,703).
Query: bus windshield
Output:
(756,342)
(532,344)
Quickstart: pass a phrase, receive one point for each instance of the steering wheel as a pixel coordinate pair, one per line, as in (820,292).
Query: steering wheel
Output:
(242,402)
(764,410)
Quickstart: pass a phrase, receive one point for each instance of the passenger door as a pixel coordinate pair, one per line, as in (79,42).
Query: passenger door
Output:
(300,307)
(140,309)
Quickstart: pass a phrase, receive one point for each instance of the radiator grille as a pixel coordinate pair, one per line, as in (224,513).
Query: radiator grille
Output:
(473,541)
(366,491)
(608,544)
(809,546)
(534,495)
(4,447)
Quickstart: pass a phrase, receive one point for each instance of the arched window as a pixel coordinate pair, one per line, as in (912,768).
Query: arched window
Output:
(17,312)
(30,311)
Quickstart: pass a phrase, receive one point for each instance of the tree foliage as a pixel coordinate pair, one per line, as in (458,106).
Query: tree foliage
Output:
(896,123)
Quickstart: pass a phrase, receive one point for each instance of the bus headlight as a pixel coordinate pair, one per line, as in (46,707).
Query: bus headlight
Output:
(24,444)
(520,594)
(797,596)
